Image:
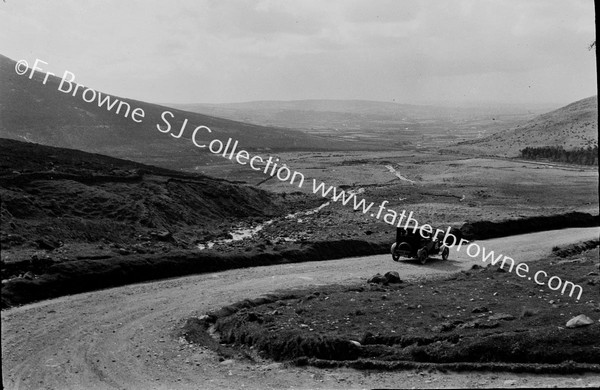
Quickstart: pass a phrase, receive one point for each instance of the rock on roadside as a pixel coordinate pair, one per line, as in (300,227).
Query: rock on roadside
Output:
(579,321)
(389,277)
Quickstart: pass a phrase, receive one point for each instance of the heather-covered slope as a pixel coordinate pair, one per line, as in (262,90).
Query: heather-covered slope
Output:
(573,126)
(63,195)
(37,112)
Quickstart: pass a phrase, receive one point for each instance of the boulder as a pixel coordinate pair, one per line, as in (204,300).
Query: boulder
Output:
(389,277)
(378,279)
(579,321)
(393,277)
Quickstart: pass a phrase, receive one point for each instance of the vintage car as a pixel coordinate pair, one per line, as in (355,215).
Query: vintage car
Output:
(413,245)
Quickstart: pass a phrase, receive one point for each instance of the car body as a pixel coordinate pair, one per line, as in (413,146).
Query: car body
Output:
(413,245)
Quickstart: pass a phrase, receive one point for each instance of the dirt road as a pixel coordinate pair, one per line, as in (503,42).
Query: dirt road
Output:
(124,338)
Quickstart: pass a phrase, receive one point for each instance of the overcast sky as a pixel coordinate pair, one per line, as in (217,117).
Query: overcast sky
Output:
(520,51)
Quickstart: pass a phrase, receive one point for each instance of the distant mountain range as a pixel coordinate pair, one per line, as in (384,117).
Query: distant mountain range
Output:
(573,126)
(32,111)
(314,114)
(301,113)
(380,123)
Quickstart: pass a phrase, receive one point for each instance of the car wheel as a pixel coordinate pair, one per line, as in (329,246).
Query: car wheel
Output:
(423,255)
(395,256)
(445,253)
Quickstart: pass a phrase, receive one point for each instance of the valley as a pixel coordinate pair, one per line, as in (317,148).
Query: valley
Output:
(388,124)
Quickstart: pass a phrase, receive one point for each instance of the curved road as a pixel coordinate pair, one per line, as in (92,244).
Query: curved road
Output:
(125,338)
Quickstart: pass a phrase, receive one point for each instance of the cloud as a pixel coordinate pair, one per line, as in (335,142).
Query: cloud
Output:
(223,50)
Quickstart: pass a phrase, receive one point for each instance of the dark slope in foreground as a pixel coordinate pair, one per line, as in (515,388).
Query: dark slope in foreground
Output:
(573,126)
(32,111)
(62,195)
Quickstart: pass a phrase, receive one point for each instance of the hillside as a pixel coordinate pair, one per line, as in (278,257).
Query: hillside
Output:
(573,126)
(51,195)
(32,111)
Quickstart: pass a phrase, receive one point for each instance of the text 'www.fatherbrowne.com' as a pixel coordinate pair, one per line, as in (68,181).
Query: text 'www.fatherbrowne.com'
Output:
(201,137)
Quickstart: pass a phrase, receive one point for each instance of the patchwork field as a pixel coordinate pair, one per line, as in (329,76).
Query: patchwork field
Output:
(440,189)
